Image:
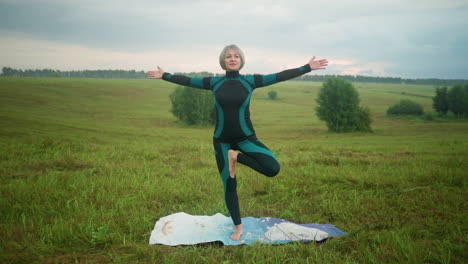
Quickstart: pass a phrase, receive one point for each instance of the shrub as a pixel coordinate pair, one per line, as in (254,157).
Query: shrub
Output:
(273,95)
(428,117)
(338,103)
(405,107)
(364,120)
(193,106)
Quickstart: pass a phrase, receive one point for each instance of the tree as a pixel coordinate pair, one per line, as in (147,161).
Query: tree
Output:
(466,99)
(7,71)
(273,95)
(405,107)
(458,100)
(440,101)
(193,106)
(339,107)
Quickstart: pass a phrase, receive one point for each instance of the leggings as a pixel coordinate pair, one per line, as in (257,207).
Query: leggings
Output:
(252,154)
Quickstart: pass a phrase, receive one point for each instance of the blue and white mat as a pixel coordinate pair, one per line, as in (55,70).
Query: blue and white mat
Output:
(184,229)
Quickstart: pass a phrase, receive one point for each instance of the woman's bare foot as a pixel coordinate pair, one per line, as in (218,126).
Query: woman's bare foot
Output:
(232,156)
(237,234)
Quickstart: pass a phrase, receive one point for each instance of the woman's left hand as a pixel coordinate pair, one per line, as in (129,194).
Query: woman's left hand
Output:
(318,65)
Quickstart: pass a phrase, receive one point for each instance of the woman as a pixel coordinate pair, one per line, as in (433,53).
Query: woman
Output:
(234,131)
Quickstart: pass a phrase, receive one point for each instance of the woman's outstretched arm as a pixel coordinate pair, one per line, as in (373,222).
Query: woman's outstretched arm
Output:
(318,65)
(155,74)
(200,83)
(265,80)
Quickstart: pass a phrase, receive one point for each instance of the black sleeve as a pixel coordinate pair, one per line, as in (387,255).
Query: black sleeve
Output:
(265,80)
(200,83)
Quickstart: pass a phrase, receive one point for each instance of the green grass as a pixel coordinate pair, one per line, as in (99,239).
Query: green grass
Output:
(88,165)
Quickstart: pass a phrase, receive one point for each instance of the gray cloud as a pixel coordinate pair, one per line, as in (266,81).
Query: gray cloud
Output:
(416,39)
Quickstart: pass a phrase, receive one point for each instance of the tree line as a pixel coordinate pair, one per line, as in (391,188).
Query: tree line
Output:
(108,74)
(453,99)
(391,80)
(132,74)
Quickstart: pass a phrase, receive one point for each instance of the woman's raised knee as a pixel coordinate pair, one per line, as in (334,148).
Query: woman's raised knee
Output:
(273,170)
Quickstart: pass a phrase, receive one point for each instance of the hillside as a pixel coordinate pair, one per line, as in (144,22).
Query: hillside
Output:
(88,165)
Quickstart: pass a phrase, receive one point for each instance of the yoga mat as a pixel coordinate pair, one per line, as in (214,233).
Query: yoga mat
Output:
(185,229)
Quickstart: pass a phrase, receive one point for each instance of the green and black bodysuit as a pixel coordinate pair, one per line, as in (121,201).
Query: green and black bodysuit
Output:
(234,129)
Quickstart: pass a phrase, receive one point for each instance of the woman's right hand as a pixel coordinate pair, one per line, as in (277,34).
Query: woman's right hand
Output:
(155,74)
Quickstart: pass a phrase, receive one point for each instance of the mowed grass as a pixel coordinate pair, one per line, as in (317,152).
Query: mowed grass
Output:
(87,166)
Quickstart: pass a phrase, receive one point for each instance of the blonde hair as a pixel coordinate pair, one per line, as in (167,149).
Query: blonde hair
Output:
(234,48)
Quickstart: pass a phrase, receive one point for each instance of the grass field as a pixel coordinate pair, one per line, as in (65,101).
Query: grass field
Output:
(88,165)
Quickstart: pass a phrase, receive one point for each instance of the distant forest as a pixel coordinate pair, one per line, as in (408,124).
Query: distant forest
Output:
(132,74)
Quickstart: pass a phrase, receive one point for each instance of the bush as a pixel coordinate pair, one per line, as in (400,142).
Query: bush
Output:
(428,117)
(339,107)
(273,95)
(405,107)
(364,120)
(193,106)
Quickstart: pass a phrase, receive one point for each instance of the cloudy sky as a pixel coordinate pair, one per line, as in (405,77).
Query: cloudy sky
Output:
(400,38)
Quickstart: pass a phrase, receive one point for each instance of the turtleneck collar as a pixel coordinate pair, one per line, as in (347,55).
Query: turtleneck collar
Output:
(232,74)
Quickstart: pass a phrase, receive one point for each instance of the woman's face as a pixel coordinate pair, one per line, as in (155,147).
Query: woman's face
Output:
(232,60)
